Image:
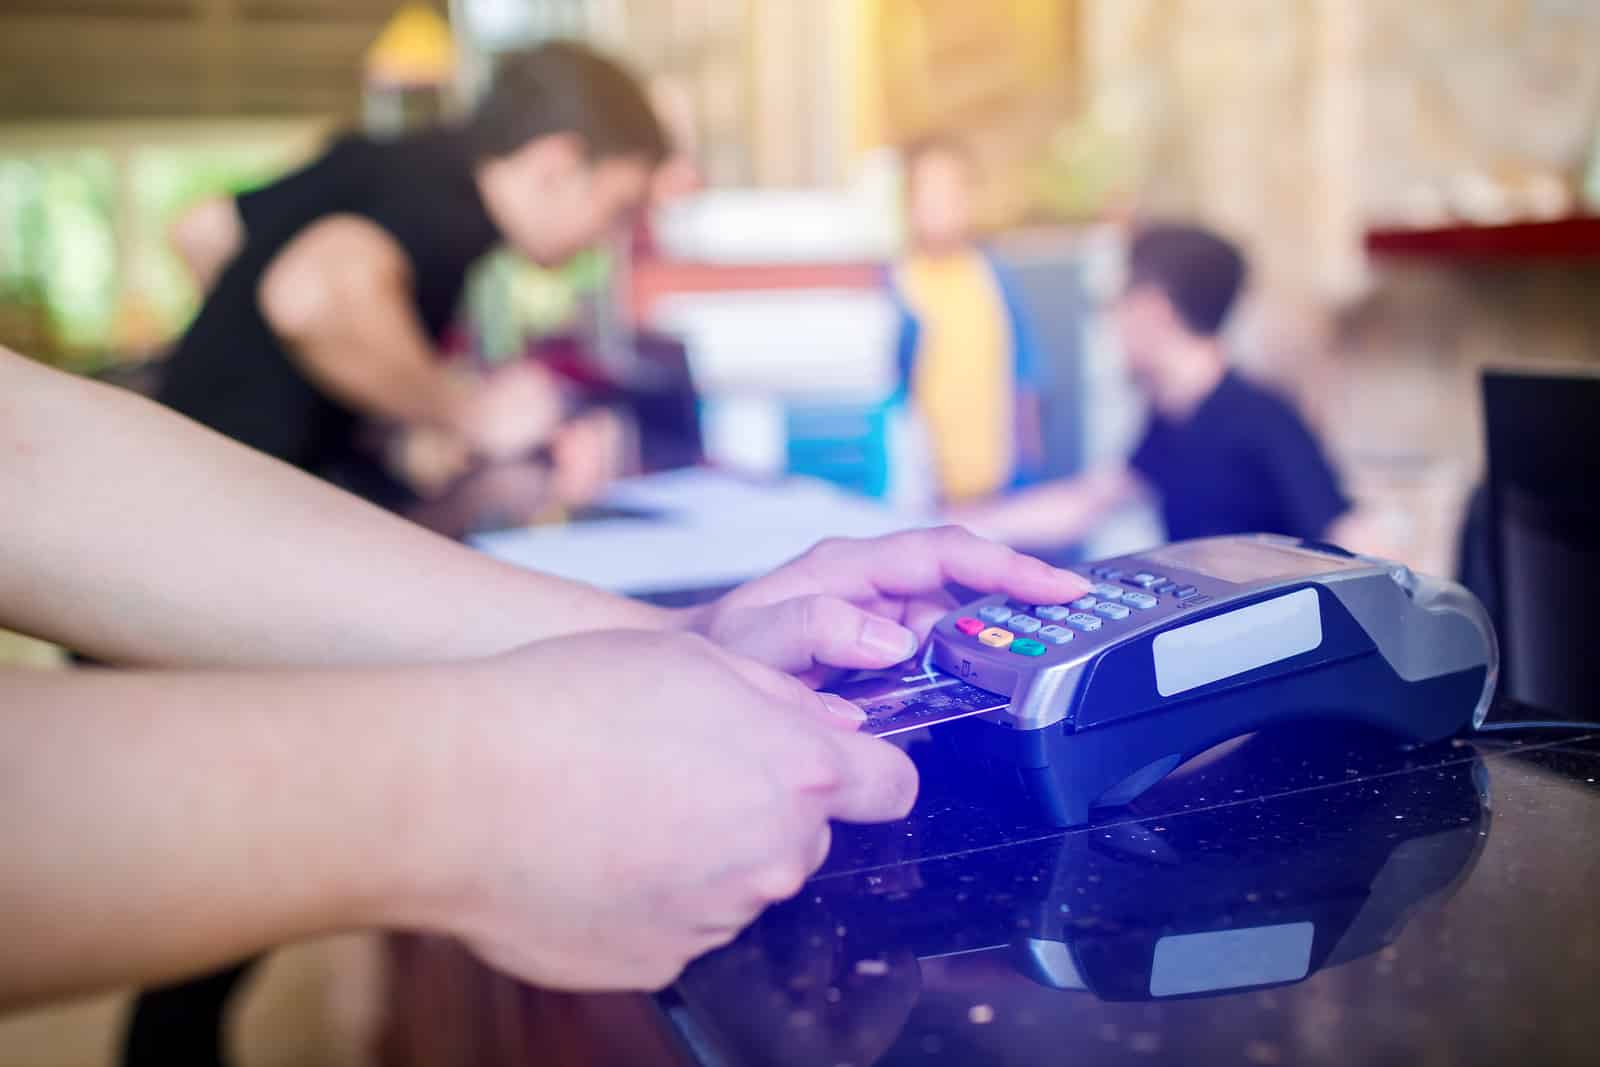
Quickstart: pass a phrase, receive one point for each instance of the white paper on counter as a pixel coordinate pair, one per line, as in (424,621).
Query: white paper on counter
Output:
(714,530)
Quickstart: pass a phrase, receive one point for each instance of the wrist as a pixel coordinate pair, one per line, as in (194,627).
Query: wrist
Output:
(691,620)
(485,788)
(408,848)
(455,403)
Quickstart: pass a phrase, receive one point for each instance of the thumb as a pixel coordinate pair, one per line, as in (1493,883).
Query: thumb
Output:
(787,689)
(798,634)
(877,781)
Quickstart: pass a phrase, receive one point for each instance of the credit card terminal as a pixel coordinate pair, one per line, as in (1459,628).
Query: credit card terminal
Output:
(1179,648)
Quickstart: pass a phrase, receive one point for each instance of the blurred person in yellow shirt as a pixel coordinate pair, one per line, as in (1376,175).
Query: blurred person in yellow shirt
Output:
(967,361)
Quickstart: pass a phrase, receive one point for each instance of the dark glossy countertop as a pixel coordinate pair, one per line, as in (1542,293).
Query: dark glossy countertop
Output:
(1309,898)
(1315,897)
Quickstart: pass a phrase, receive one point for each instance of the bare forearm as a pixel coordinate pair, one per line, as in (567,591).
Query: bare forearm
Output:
(375,359)
(140,538)
(1363,529)
(340,298)
(162,824)
(1056,513)
(207,237)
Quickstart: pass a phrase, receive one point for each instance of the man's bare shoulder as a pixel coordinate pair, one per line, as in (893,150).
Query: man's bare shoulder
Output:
(348,241)
(333,264)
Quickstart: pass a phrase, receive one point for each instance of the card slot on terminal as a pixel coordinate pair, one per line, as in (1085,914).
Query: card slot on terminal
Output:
(897,704)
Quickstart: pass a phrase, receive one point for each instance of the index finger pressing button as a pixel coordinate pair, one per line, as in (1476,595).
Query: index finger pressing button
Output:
(995,613)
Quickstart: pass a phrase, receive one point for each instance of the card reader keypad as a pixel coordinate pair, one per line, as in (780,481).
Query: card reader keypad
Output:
(1055,635)
(995,637)
(1032,630)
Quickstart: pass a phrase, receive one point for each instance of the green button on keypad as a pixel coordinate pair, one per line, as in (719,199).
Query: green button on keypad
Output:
(1023,646)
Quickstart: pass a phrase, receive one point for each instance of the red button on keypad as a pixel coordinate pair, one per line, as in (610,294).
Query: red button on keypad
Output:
(970,626)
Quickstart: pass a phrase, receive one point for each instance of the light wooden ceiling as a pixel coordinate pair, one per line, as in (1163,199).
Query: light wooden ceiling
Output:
(175,58)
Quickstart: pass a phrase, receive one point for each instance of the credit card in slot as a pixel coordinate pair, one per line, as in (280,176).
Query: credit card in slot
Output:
(898,703)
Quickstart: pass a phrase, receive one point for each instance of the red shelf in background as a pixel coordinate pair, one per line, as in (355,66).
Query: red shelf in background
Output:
(1562,239)
(657,278)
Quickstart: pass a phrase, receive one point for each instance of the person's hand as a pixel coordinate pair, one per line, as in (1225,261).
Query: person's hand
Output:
(618,803)
(426,458)
(869,604)
(500,496)
(509,413)
(587,455)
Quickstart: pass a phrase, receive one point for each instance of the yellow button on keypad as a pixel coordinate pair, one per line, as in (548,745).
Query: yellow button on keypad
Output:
(995,637)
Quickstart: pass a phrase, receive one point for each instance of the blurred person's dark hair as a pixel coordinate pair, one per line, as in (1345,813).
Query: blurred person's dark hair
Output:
(1199,272)
(566,87)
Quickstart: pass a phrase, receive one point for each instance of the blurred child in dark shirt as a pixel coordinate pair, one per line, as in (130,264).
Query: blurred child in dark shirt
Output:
(1221,455)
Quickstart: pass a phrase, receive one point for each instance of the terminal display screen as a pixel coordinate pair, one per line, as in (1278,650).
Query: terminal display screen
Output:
(1243,561)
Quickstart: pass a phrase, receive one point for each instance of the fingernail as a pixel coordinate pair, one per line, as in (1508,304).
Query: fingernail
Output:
(841,707)
(888,639)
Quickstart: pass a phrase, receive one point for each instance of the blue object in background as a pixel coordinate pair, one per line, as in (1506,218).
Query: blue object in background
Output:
(1044,284)
(846,444)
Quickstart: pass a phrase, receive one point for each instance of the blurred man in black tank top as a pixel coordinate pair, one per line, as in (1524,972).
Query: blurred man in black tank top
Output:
(334,285)
(330,290)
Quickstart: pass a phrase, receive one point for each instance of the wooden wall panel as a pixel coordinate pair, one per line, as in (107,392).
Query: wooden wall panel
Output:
(135,9)
(65,59)
(1001,76)
(316,11)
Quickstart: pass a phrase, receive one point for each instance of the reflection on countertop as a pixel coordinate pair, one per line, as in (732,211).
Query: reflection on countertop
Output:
(1308,898)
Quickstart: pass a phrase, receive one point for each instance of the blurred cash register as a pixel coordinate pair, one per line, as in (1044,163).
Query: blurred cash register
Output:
(1532,543)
